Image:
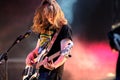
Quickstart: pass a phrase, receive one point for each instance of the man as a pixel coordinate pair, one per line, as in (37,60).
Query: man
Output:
(49,20)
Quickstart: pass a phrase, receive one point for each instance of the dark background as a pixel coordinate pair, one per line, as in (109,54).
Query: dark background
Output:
(91,21)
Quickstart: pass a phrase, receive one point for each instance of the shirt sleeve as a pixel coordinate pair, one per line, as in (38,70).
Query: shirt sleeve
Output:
(66,32)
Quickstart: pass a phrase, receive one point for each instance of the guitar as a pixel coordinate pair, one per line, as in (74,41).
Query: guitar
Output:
(32,72)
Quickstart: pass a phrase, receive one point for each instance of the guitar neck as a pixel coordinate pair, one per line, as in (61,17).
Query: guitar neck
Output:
(54,56)
(49,59)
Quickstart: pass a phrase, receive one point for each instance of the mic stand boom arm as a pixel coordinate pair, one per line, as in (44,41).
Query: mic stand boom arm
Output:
(4,55)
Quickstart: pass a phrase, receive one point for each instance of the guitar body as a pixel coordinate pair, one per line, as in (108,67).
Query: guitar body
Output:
(32,73)
(28,72)
(35,76)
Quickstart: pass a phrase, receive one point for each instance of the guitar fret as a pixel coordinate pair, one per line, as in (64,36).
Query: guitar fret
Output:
(54,56)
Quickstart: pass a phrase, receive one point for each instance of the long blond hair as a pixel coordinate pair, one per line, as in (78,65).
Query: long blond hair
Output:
(48,15)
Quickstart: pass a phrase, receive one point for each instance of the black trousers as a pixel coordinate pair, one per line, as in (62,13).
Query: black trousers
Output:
(49,76)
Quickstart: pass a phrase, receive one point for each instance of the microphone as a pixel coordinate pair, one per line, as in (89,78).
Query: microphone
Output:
(27,34)
(19,38)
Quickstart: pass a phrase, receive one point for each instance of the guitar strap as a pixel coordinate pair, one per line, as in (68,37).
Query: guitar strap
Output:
(53,40)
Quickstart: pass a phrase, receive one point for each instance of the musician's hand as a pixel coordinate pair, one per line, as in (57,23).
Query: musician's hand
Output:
(30,61)
(48,64)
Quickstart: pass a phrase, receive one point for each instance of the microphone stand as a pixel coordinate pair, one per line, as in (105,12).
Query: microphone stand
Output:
(4,56)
